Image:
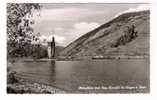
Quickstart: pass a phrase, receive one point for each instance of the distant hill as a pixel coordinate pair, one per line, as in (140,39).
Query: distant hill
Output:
(127,34)
(58,49)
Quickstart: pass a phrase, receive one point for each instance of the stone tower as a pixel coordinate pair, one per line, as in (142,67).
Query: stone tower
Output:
(51,48)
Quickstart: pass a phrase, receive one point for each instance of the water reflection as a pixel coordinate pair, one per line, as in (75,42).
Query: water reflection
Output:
(69,75)
(52,66)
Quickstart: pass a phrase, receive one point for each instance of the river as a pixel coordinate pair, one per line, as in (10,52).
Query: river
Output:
(88,75)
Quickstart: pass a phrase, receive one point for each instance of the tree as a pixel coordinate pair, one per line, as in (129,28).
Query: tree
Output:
(19,31)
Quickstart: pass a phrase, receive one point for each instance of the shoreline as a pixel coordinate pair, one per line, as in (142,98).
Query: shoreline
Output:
(78,58)
(24,86)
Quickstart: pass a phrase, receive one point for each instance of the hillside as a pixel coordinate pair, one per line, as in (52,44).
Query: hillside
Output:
(126,35)
(58,49)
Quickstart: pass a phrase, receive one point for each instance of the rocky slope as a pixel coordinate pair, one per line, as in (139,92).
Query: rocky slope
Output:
(125,35)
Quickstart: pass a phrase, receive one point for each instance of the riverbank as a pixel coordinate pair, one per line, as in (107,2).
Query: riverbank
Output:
(16,85)
(79,58)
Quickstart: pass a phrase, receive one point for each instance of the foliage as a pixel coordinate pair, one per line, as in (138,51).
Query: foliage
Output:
(19,31)
(38,51)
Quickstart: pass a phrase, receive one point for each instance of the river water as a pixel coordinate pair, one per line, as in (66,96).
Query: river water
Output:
(80,76)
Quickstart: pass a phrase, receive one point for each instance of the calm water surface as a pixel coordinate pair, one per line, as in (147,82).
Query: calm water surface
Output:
(70,75)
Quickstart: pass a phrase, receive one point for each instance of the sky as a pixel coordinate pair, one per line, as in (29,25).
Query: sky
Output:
(67,22)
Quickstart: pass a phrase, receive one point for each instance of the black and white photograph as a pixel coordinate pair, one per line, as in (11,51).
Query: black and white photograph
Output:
(78,48)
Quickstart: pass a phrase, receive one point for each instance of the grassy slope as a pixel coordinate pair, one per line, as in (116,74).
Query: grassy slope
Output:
(98,41)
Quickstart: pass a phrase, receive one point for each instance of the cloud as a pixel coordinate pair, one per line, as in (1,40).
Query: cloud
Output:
(86,26)
(78,30)
(65,14)
(83,27)
(64,37)
(58,39)
(141,7)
